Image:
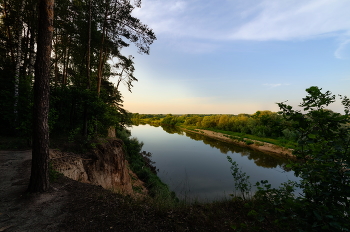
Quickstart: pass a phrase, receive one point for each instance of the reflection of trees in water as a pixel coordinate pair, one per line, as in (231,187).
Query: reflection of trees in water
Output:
(173,130)
(260,158)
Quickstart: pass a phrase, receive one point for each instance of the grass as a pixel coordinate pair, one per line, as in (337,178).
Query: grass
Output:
(96,209)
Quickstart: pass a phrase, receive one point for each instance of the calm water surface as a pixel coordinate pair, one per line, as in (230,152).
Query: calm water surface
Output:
(195,166)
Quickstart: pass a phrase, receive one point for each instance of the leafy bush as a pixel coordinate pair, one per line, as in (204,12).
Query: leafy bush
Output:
(323,155)
(241,179)
(141,165)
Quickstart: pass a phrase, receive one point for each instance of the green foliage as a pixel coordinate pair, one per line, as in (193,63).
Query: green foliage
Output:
(263,125)
(69,105)
(140,164)
(323,155)
(240,178)
(170,120)
(53,174)
(75,104)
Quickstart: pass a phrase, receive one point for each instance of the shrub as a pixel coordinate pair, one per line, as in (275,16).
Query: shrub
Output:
(323,156)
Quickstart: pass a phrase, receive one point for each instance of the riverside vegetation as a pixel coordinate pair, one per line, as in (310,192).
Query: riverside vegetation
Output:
(322,153)
(264,126)
(84,104)
(322,150)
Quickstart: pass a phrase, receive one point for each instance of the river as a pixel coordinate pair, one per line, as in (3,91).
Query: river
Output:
(195,167)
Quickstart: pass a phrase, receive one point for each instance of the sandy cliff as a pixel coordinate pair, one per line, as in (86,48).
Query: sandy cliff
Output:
(106,166)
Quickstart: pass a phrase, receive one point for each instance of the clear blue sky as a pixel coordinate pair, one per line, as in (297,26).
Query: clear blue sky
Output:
(239,56)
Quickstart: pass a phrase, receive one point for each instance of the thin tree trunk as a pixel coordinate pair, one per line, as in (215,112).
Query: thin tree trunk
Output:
(120,78)
(26,51)
(9,34)
(31,53)
(65,63)
(88,68)
(64,66)
(18,60)
(88,61)
(64,73)
(101,57)
(55,42)
(39,179)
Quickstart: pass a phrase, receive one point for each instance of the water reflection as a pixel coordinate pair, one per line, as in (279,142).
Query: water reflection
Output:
(260,159)
(173,130)
(195,166)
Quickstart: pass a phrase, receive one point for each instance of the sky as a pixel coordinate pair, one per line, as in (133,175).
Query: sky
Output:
(239,56)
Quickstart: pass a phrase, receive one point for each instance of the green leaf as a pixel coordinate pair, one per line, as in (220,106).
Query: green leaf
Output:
(312,136)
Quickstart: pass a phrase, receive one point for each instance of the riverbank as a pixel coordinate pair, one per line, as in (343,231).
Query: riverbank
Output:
(253,144)
(74,206)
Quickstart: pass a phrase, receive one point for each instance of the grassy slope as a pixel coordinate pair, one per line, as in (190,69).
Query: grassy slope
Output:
(92,208)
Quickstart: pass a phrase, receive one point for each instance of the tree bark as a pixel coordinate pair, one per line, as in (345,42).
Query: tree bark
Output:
(88,61)
(18,59)
(101,56)
(88,68)
(9,34)
(39,179)
(31,53)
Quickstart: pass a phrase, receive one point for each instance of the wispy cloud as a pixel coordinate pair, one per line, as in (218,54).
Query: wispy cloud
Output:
(290,20)
(342,50)
(254,20)
(162,16)
(189,19)
(247,20)
(275,85)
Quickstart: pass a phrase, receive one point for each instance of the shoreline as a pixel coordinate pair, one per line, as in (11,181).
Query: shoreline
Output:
(257,145)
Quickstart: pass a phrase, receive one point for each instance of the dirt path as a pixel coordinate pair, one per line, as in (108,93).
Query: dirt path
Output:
(27,212)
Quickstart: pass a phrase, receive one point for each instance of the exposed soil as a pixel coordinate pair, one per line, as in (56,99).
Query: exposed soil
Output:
(257,145)
(27,212)
(73,206)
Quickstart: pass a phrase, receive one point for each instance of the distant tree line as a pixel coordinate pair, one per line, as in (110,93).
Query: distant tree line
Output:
(262,123)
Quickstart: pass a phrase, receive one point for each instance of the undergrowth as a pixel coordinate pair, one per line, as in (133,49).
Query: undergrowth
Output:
(141,164)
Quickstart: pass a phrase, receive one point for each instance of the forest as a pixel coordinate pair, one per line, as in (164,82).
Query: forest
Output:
(86,70)
(87,65)
(261,124)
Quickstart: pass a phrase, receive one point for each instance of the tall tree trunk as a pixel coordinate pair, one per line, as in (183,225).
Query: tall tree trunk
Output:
(88,68)
(9,34)
(101,56)
(88,58)
(56,52)
(39,179)
(18,59)
(65,63)
(26,51)
(31,53)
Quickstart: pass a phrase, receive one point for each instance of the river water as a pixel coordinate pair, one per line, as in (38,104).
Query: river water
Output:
(195,167)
